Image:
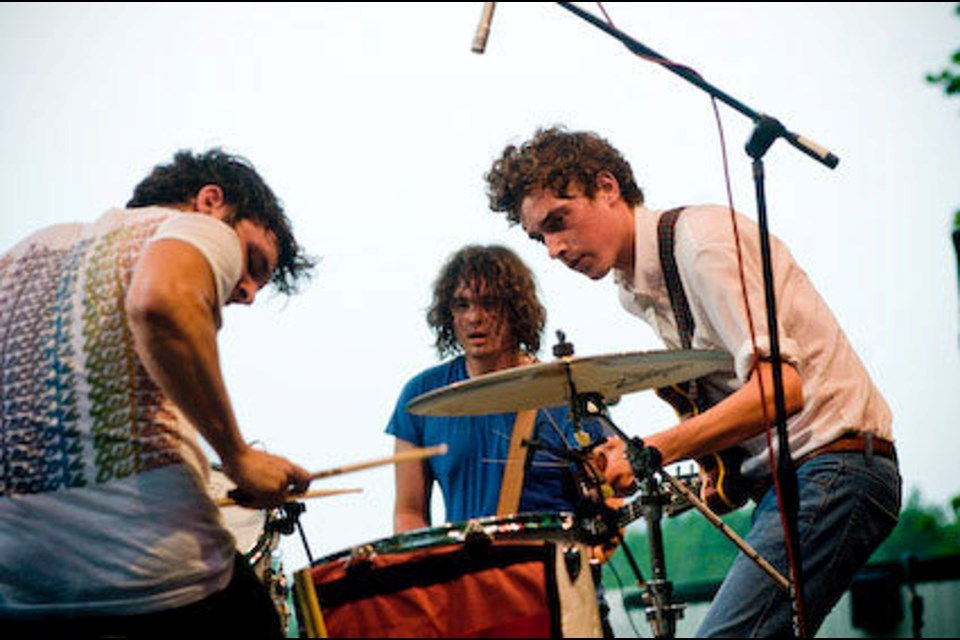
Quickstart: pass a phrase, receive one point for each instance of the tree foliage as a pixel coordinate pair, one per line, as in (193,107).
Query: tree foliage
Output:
(924,531)
(949,77)
(695,551)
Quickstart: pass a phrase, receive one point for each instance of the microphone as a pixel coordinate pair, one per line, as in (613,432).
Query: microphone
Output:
(483,29)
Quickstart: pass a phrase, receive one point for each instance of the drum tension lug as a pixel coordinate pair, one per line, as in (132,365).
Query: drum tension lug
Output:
(360,558)
(573,560)
(475,535)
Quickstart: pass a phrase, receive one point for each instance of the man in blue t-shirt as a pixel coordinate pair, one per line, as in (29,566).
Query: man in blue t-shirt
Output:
(485,310)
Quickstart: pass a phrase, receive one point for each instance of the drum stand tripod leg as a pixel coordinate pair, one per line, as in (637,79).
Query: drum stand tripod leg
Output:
(661,612)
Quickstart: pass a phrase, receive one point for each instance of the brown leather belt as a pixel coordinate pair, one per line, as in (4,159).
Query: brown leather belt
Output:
(868,443)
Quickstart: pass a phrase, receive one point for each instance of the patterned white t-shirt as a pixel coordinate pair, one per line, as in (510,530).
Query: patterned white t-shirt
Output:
(103,486)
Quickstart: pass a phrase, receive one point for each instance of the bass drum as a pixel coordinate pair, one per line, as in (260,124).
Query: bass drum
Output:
(522,576)
(257,537)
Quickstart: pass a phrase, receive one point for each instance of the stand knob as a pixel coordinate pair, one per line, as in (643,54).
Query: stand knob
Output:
(563,348)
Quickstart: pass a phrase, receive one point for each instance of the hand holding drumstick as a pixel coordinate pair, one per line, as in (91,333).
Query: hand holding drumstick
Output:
(237,497)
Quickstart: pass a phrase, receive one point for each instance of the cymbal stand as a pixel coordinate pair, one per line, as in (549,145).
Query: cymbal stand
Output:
(596,522)
(646,465)
(661,612)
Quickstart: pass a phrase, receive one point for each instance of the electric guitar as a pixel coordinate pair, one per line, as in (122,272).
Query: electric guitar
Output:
(723,489)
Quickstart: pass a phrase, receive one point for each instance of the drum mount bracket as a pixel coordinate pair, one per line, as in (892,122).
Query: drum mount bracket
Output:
(289,521)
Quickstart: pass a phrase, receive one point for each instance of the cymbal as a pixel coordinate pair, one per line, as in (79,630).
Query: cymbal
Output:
(546,384)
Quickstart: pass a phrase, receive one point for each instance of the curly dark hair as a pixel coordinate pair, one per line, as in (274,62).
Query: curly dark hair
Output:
(504,275)
(243,188)
(552,159)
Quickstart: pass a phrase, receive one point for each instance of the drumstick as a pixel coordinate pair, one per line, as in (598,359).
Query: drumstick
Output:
(318,493)
(412,454)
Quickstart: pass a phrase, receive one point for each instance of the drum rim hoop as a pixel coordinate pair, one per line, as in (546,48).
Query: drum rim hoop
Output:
(548,525)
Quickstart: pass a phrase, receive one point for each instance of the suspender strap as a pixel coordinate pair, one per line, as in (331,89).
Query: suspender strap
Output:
(668,262)
(682,396)
(516,463)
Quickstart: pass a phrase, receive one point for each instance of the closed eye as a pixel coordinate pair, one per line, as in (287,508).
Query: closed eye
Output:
(258,266)
(554,221)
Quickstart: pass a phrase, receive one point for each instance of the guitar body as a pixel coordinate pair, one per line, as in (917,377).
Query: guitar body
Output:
(722,488)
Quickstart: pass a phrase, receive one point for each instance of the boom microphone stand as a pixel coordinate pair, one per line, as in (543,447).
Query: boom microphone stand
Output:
(767,130)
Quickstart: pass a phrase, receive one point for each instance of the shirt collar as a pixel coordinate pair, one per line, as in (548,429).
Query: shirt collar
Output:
(647,276)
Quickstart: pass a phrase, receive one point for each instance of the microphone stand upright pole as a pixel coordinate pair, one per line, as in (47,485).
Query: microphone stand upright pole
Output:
(765,133)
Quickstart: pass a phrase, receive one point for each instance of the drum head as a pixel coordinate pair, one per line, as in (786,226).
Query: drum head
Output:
(547,526)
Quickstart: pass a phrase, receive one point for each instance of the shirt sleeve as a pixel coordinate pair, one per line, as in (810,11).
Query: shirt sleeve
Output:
(215,239)
(708,261)
(403,424)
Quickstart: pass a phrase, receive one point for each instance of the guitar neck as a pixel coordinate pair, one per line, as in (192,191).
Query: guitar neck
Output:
(629,512)
(673,505)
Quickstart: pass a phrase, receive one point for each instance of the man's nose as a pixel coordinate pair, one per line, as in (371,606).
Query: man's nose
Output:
(555,246)
(244,292)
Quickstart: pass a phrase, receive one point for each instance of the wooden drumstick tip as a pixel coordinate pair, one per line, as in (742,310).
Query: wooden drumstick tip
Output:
(411,454)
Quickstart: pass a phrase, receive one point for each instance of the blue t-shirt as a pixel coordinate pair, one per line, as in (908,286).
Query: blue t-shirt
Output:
(471,472)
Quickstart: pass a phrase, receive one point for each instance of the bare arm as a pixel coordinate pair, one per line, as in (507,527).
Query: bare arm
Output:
(172,311)
(736,418)
(411,508)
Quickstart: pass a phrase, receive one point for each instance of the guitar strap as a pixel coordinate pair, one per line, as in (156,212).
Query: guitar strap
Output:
(516,464)
(724,489)
(682,396)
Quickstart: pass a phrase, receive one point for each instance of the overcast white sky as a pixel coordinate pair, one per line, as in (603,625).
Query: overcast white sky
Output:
(375,123)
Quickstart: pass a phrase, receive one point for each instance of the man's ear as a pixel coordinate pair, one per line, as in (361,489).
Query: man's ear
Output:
(607,185)
(210,200)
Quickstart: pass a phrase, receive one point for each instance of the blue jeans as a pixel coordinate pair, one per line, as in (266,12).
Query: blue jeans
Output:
(849,504)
